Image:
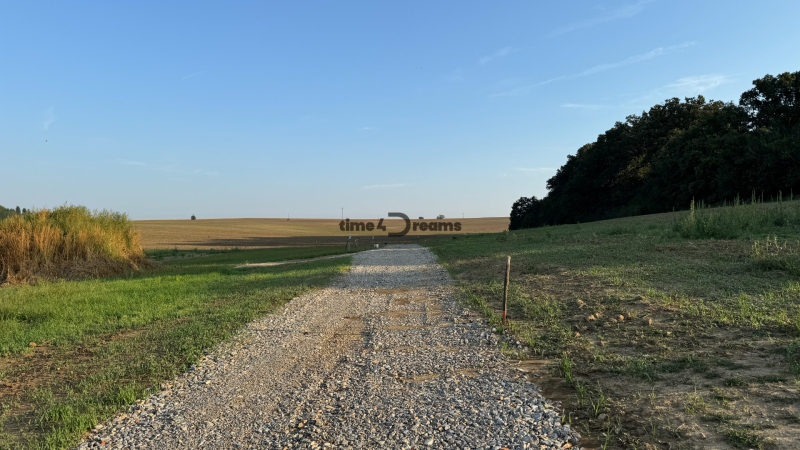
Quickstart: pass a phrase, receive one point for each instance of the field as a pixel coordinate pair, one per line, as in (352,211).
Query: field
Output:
(651,332)
(75,352)
(252,233)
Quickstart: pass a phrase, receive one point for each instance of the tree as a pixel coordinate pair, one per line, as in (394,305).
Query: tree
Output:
(24,210)
(774,102)
(677,151)
(18,211)
(193,217)
(525,213)
(440,217)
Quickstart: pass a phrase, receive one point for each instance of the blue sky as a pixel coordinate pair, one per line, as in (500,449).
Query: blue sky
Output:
(262,109)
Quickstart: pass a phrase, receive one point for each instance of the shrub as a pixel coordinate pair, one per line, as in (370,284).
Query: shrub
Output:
(67,242)
(193,217)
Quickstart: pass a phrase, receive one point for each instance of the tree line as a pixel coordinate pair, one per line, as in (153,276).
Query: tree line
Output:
(6,212)
(661,160)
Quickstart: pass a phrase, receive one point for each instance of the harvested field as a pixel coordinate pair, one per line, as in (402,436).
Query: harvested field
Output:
(255,233)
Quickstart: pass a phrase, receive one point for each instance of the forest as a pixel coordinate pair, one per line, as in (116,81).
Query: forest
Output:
(679,151)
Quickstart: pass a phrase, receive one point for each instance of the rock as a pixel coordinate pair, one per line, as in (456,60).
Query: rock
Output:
(602,417)
(621,318)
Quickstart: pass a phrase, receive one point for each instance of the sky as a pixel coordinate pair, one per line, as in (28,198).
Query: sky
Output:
(220,109)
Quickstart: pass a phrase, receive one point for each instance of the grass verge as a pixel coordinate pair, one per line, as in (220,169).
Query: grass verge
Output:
(76,352)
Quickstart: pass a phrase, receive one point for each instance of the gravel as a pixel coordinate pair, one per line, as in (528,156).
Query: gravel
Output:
(383,358)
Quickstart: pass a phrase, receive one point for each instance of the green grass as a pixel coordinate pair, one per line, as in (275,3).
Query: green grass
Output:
(648,302)
(102,344)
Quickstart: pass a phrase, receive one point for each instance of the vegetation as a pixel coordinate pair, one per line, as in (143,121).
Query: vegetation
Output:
(677,152)
(76,352)
(679,327)
(67,242)
(6,212)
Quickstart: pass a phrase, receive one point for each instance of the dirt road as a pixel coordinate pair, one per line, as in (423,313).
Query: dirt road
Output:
(383,358)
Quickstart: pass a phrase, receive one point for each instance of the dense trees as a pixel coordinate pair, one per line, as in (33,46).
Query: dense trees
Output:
(675,152)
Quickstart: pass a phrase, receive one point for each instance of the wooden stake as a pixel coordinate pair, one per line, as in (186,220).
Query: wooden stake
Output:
(505,290)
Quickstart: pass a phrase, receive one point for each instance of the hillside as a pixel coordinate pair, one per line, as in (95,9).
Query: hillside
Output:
(652,329)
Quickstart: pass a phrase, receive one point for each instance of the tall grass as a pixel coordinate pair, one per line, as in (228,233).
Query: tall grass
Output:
(733,220)
(67,242)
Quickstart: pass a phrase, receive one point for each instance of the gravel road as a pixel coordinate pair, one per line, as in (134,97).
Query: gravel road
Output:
(382,358)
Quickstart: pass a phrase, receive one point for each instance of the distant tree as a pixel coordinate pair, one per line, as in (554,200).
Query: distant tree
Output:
(421,218)
(440,217)
(193,217)
(18,211)
(24,210)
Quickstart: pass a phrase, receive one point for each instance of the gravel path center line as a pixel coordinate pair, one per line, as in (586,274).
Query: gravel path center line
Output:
(382,358)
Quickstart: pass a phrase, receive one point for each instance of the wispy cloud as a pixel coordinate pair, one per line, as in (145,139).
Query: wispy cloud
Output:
(192,75)
(682,87)
(624,12)
(384,186)
(502,53)
(49,118)
(655,53)
(126,162)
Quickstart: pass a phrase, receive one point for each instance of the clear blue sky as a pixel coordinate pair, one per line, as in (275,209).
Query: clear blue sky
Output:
(263,109)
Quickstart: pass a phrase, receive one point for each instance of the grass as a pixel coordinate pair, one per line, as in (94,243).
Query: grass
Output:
(676,305)
(101,344)
(67,242)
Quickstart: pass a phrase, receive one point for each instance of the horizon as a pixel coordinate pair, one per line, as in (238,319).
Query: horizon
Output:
(251,110)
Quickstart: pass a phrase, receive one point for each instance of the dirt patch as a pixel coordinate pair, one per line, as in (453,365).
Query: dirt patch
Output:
(642,372)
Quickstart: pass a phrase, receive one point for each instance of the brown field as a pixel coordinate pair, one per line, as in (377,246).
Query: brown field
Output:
(260,233)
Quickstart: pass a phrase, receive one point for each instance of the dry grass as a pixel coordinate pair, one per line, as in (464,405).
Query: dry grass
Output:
(67,242)
(260,233)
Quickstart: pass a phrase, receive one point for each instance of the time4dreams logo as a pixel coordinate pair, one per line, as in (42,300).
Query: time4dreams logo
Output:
(432,226)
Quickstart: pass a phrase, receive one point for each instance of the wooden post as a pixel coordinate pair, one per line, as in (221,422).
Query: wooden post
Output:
(505,290)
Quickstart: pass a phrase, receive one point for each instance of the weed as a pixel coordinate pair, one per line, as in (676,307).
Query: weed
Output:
(598,403)
(694,404)
(736,382)
(566,368)
(581,394)
(742,438)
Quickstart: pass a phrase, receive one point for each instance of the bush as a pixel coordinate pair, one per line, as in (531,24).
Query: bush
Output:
(193,217)
(67,242)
